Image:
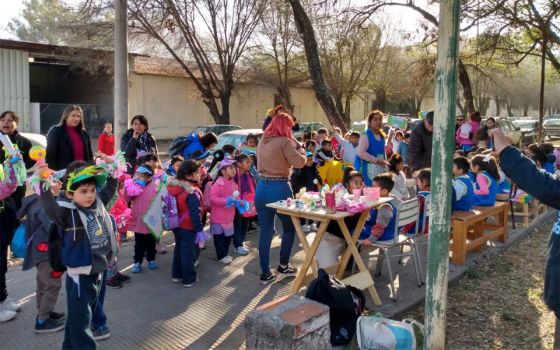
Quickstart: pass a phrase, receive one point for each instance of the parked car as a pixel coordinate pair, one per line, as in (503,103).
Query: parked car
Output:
(511,131)
(236,137)
(36,140)
(217,129)
(528,128)
(552,116)
(551,128)
(308,127)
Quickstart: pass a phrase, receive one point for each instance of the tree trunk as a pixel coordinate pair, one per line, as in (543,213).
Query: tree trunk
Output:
(347,112)
(380,99)
(210,102)
(461,107)
(465,81)
(286,96)
(498,105)
(305,28)
(541,95)
(525,109)
(508,107)
(224,99)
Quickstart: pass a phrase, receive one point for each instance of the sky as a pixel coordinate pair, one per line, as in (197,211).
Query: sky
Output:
(405,18)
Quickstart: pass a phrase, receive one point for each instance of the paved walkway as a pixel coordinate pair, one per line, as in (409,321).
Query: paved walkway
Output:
(151,312)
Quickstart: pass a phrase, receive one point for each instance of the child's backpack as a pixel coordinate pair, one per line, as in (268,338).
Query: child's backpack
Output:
(177,145)
(346,304)
(19,243)
(170,212)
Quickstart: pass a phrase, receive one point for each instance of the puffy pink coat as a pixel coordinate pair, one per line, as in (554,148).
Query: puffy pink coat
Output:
(139,206)
(221,190)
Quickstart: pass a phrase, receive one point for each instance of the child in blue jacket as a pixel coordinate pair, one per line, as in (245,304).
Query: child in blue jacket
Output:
(89,242)
(487,177)
(463,189)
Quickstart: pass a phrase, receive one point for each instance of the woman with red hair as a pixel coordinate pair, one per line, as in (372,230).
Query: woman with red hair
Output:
(277,153)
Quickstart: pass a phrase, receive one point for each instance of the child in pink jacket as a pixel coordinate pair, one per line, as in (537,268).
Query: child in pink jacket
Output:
(464,135)
(222,209)
(141,190)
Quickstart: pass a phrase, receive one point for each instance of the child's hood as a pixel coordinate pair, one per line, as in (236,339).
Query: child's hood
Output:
(176,187)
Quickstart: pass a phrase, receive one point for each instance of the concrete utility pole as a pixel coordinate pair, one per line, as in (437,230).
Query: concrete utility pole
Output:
(121,71)
(442,160)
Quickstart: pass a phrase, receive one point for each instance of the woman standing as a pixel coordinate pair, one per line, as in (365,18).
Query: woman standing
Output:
(277,153)
(371,159)
(68,141)
(137,139)
(8,125)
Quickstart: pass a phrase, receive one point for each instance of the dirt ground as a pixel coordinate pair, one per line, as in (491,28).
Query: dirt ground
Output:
(498,303)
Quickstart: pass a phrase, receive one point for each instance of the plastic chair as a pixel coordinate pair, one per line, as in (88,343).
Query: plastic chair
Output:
(407,213)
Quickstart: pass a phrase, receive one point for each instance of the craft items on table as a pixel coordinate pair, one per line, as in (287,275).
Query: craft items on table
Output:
(13,160)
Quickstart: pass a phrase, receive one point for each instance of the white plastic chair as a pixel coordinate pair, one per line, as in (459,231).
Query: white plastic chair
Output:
(407,213)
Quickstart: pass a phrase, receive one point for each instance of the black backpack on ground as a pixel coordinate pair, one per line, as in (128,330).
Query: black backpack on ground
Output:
(177,145)
(346,304)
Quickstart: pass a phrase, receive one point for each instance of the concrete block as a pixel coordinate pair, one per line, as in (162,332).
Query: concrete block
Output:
(289,323)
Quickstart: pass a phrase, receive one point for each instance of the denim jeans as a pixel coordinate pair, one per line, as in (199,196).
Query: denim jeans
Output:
(81,300)
(241,226)
(99,319)
(269,192)
(184,255)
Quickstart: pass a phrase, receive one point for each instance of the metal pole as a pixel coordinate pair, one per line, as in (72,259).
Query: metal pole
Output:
(442,157)
(121,71)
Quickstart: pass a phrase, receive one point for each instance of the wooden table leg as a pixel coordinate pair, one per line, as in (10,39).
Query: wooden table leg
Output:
(310,254)
(503,221)
(459,242)
(357,231)
(358,259)
(301,235)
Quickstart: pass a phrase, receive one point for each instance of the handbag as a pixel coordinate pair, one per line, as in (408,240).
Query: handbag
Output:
(249,197)
(379,333)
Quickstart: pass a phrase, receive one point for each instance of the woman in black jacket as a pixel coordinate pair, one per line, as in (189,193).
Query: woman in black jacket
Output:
(68,141)
(137,139)
(8,125)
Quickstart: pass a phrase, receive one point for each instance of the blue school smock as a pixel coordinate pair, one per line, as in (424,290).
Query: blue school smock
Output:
(489,199)
(375,148)
(466,202)
(388,233)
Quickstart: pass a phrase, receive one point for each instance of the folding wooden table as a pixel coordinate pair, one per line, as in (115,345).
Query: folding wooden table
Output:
(361,280)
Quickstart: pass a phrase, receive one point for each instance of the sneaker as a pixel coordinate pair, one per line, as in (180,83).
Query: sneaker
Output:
(196,263)
(114,282)
(57,315)
(241,250)
(6,315)
(152,265)
(10,305)
(306,228)
(286,270)
(176,280)
(122,277)
(101,333)
(161,249)
(50,325)
(313,227)
(190,285)
(226,260)
(267,277)
(137,267)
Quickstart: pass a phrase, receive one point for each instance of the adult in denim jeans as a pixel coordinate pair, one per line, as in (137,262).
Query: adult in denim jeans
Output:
(277,153)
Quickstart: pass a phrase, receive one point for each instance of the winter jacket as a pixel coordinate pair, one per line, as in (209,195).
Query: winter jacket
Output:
(189,204)
(221,190)
(76,251)
(38,226)
(23,145)
(139,206)
(193,146)
(59,148)
(121,212)
(304,177)
(8,221)
(420,148)
(545,188)
(106,144)
(276,155)
(464,135)
(130,146)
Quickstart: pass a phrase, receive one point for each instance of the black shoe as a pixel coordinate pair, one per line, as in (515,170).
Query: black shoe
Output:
(114,283)
(122,277)
(57,315)
(267,277)
(49,326)
(286,270)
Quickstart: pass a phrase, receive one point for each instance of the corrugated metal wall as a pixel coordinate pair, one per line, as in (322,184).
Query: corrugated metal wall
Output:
(14,85)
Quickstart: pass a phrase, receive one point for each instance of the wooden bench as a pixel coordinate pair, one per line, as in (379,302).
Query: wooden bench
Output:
(471,229)
(525,207)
